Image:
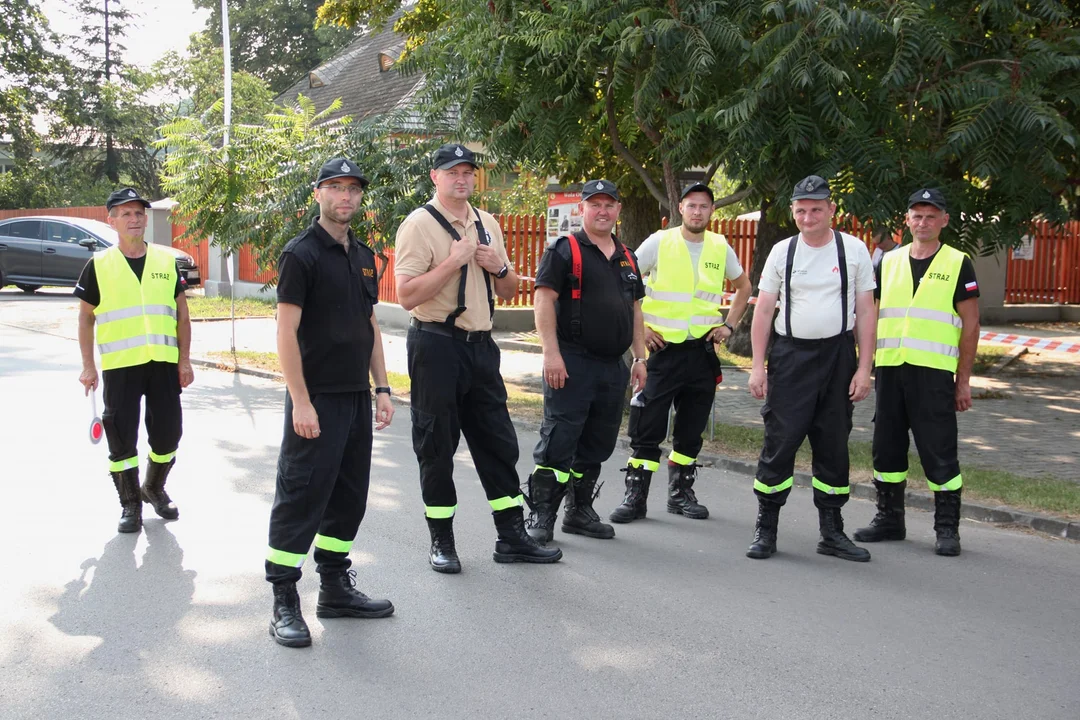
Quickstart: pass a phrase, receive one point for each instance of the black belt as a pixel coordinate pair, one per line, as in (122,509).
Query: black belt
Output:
(472,336)
(803,342)
(693,342)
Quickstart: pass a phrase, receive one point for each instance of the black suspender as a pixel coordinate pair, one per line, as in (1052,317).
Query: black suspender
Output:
(792,243)
(842,259)
(841,255)
(482,238)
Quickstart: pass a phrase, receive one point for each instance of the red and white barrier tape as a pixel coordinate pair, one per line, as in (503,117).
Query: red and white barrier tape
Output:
(1034,343)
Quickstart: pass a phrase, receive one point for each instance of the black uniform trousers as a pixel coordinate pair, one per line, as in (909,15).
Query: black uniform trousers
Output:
(322,486)
(684,374)
(924,400)
(457,388)
(123,390)
(582,419)
(808,382)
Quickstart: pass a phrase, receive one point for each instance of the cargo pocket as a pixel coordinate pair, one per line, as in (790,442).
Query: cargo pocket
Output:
(293,476)
(423,434)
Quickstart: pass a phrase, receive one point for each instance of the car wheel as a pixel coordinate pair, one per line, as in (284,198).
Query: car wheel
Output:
(28,288)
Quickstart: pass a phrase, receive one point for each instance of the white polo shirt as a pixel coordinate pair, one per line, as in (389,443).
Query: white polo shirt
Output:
(815,285)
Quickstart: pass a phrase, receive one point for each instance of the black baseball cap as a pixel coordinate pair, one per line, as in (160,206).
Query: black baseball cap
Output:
(340,167)
(125,195)
(927,196)
(599,187)
(451,155)
(697,187)
(812,187)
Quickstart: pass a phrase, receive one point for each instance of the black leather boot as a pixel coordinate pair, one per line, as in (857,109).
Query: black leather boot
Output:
(153,490)
(681,497)
(634,504)
(580,517)
(543,493)
(127,487)
(768,518)
(947,522)
(443,557)
(834,541)
(287,626)
(514,544)
(888,524)
(338,597)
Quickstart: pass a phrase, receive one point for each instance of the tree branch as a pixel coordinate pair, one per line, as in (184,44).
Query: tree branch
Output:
(623,152)
(987,61)
(710,171)
(732,198)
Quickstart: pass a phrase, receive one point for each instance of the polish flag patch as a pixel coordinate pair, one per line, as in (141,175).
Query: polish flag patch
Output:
(971,286)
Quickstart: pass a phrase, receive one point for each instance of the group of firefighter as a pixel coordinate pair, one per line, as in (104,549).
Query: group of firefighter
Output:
(910,312)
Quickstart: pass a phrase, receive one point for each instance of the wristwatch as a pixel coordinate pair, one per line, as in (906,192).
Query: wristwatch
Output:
(503,273)
(729,327)
(637,360)
(383,390)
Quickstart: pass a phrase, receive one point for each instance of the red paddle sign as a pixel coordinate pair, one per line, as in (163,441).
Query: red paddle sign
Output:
(97,430)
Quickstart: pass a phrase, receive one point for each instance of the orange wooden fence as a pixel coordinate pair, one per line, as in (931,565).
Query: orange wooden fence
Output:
(95,212)
(1052,274)
(199,250)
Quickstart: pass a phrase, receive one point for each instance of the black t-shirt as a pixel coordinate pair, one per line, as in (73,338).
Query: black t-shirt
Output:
(337,291)
(609,289)
(87,288)
(967,286)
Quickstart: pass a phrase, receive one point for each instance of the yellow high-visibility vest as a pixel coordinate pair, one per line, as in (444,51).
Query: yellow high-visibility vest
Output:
(919,327)
(674,306)
(136,321)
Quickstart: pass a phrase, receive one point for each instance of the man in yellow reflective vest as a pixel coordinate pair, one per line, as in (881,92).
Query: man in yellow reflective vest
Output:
(686,268)
(133,295)
(927,335)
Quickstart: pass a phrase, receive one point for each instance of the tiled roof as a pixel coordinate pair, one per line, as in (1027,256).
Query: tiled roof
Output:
(356,76)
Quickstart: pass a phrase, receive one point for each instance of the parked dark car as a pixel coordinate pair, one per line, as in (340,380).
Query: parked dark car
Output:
(52,250)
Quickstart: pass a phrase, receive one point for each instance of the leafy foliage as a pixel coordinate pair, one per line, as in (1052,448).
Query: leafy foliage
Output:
(29,72)
(196,81)
(258,190)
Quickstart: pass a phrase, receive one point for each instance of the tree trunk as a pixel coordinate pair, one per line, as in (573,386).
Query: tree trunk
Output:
(640,218)
(768,234)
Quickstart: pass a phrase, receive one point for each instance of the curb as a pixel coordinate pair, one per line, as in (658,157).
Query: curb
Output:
(999,515)
(226,319)
(519,346)
(1005,360)
(995,515)
(218,365)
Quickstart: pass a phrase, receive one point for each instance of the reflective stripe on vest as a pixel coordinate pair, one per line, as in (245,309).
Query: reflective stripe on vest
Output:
(136,321)
(668,308)
(920,327)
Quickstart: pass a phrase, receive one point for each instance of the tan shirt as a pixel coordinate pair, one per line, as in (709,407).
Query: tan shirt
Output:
(422,244)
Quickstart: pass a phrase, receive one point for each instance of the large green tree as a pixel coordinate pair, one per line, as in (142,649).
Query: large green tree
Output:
(977,97)
(275,40)
(105,126)
(29,72)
